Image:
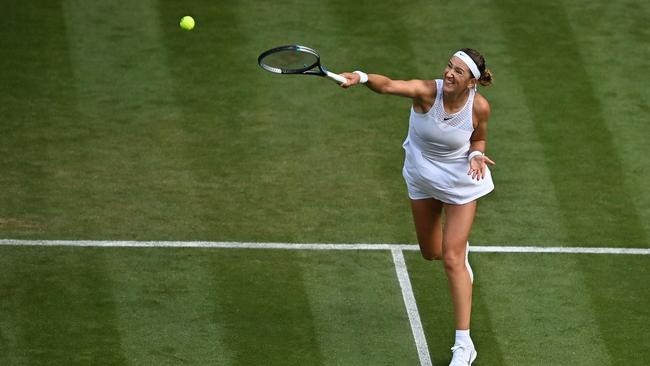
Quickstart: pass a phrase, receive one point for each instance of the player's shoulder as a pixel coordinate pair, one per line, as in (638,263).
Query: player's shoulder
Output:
(426,88)
(481,105)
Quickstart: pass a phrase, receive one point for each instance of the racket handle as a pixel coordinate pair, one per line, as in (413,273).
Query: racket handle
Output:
(336,77)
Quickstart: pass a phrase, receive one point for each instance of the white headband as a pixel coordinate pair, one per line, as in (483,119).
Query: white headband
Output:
(469,62)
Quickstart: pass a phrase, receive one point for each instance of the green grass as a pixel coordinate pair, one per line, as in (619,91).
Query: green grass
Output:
(118,125)
(132,128)
(179,306)
(543,309)
(242,307)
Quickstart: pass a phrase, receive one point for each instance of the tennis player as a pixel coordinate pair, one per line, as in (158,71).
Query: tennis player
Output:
(445,169)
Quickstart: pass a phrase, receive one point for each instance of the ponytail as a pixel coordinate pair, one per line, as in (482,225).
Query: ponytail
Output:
(486,78)
(486,75)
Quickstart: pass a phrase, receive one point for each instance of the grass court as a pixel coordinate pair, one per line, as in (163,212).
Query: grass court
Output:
(117,125)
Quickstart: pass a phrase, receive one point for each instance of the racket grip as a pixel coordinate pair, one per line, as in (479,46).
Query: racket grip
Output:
(336,77)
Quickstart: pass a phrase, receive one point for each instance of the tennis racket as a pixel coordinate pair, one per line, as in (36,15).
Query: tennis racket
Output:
(295,59)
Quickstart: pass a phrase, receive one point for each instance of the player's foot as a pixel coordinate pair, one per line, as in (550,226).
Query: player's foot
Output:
(464,355)
(469,268)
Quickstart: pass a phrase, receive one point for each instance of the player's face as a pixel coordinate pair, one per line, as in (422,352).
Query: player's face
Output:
(457,76)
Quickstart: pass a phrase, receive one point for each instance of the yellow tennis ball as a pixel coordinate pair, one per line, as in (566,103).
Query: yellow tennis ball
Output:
(187,22)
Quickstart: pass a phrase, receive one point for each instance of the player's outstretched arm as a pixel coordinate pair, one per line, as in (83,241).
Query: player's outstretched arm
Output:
(381,84)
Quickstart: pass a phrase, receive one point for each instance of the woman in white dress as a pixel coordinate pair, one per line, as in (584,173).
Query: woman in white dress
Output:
(445,168)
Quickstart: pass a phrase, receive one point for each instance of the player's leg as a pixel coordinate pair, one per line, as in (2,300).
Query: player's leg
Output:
(459,219)
(427,216)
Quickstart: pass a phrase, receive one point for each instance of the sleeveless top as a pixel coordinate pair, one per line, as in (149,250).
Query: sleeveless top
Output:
(441,136)
(436,150)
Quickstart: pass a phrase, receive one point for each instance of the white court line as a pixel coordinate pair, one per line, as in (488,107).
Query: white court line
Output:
(396,250)
(315,246)
(411,307)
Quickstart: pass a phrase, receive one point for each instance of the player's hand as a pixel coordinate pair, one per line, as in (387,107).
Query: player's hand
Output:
(352,79)
(478,165)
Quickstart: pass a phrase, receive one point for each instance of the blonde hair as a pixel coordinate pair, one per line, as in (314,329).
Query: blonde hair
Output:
(486,74)
(486,78)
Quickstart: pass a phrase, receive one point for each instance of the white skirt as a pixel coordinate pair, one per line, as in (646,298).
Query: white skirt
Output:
(447,181)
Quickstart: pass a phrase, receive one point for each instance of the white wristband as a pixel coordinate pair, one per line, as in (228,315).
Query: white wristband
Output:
(363,77)
(474,154)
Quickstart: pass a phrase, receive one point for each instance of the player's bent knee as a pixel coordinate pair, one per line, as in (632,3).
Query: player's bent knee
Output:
(431,256)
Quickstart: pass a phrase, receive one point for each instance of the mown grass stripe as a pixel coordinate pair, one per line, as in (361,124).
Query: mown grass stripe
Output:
(38,132)
(264,308)
(61,306)
(540,308)
(124,93)
(587,172)
(165,305)
(584,165)
(341,288)
(124,172)
(618,290)
(314,246)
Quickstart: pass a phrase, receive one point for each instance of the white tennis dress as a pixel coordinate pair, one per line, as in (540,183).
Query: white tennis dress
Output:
(436,151)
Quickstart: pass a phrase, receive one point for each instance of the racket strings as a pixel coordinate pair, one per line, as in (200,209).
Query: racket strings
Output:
(290,60)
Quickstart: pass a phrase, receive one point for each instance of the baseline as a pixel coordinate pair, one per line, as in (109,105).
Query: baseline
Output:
(314,246)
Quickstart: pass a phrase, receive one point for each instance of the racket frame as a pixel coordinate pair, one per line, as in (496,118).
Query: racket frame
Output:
(314,69)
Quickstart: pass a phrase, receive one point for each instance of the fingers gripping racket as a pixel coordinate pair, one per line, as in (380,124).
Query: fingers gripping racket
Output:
(295,59)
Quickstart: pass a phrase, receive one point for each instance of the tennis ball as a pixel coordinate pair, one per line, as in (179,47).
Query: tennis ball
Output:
(187,22)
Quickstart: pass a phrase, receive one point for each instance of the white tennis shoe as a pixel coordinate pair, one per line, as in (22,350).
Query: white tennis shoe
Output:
(469,268)
(464,355)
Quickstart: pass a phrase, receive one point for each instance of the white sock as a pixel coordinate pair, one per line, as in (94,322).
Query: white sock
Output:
(462,337)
